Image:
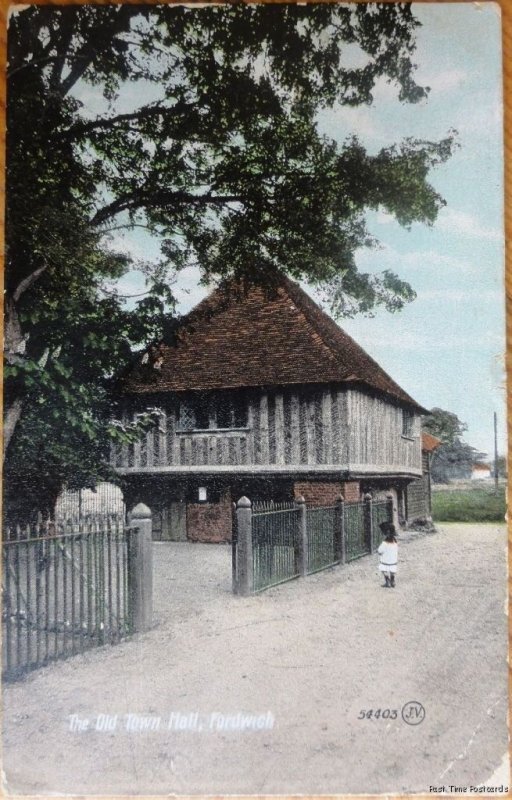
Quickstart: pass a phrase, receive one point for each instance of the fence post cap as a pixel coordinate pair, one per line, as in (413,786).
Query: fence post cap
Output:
(300,499)
(244,502)
(140,511)
(368,496)
(389,496)
(340,499)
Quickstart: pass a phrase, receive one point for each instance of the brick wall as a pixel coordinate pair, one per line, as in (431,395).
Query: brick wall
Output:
(351,491)
(210,522)
(317,493)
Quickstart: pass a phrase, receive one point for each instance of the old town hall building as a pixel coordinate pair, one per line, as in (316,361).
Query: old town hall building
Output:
(261,394)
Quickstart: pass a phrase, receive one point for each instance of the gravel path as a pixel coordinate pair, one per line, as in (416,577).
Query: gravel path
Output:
(314,653)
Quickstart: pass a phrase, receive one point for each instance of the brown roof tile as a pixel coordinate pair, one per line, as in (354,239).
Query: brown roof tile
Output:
(258,337)
(429,442)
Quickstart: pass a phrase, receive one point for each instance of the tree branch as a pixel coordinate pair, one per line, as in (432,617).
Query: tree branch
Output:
(27,282)
(146,199)
(62,47)
(104,124)
(90,49)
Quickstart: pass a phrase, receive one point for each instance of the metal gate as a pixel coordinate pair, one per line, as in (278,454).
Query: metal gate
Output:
(64,590)
(275,528)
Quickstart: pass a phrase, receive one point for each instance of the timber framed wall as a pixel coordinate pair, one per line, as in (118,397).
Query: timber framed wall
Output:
(288,430)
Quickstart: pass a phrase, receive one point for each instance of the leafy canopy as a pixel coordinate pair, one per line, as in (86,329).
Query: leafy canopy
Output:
(219,153)
(445,425)
(205,133)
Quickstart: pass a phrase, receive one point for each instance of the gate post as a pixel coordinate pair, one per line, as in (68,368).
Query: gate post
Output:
(303,537)
(339,532)
(368,522)
(244,565)
(234,546)
(140,569)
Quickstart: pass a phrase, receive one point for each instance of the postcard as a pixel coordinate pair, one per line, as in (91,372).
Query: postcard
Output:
(254,536)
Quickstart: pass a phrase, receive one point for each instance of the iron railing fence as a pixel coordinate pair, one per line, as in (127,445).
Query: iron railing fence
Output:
(322,526)
(64,591)
(276,542)
(380,513)
(275,532)
(356,540)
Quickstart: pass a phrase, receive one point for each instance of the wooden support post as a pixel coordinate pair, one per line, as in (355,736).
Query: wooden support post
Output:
(302,537)
(244,546)
(368,522)
(340,541)
(140,569)
(389,506)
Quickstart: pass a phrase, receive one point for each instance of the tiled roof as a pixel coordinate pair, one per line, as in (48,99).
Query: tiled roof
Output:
(257,337)
(429,442)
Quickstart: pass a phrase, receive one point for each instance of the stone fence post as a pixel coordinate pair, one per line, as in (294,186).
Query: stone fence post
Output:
(303,537)
(340,541)
(140,569)
(234,550)
(368,522)
(244,565)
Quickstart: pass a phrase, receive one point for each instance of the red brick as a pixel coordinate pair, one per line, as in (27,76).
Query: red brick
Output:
(210,522)
(351,491)
(318,493)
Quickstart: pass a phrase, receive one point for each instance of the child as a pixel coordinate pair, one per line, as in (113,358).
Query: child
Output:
(388,552)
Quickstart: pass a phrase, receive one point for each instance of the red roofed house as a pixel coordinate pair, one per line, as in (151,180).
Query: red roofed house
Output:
(480,471)
(263,395)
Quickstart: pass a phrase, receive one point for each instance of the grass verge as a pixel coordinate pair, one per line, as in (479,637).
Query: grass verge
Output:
(469,505)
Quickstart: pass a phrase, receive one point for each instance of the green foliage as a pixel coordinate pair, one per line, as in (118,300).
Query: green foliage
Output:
(454,458)
(445,425)
(226,165)
(453,461)
(469,505)
(221,159)
(502,467)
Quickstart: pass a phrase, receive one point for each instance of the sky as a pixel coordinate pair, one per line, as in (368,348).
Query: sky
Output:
(447,347)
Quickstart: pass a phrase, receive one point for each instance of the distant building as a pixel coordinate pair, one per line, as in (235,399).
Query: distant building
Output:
(480,471)
(262,394)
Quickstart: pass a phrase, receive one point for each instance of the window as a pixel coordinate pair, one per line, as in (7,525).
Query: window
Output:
(407,423)
(207,412)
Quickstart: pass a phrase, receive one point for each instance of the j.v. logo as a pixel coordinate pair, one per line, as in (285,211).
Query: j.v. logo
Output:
(413,713)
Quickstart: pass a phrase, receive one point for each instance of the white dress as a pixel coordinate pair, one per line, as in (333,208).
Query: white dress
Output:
(388,552)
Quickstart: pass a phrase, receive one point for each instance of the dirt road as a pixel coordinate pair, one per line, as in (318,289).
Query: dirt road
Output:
(306,658)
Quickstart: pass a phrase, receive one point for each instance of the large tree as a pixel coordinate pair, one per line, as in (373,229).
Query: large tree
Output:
(454,458)
(445,425)
(217,152)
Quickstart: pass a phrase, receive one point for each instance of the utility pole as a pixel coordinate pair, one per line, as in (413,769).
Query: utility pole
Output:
(495,453)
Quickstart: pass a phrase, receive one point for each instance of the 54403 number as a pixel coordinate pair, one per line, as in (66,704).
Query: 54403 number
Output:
(378,713)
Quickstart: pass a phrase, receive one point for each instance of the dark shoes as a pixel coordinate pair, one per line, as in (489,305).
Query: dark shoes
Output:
(390,582)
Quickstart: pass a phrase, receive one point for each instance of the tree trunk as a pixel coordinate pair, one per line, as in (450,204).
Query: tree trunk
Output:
(14,347)
(12,414)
